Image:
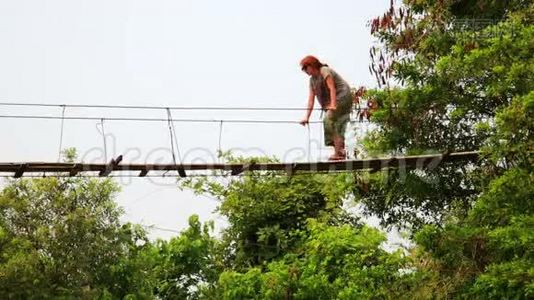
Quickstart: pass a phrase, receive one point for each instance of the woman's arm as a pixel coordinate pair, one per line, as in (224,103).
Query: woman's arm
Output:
(311,100)
(332,89)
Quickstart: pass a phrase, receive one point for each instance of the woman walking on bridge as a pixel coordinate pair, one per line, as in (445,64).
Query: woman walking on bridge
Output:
(333,94)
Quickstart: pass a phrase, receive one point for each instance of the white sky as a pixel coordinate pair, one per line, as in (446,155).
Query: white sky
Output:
(172,53)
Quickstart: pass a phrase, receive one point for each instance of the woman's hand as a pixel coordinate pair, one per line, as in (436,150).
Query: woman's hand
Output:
(330,110)
(304,122)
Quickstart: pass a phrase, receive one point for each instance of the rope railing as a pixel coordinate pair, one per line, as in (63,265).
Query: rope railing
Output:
(148,107)
(82,118)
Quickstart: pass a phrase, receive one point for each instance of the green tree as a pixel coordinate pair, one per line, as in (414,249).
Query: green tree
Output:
(187,263)
(461,88)
(333,262)
(446,69)
(289,237)
(489,253)
(61,237)
(267,211)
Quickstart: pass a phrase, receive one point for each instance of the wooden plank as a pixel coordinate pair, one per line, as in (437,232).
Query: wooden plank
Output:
(241,168)
(75,169)
(20,171)
(290,169)
(110,166)
(181,171)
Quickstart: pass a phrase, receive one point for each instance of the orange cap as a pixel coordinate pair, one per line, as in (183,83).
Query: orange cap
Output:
(310,61)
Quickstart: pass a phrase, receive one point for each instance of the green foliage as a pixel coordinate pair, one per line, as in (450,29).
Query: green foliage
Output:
(510,280)
(62,238)
(463,86)
(512,145)
(267,211)
(186,263)
(289,237)
(497,234)
(454,82)
(264,211)
(413,198)
(334,262)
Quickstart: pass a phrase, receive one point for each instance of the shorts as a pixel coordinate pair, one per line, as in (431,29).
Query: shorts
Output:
(337,124)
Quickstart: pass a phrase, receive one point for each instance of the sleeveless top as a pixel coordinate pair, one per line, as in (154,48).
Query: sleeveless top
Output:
(318,84)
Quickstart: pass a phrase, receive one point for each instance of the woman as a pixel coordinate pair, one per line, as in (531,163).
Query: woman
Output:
(333,94)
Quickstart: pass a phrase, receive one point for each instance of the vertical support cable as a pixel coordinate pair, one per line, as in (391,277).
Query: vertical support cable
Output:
(309,142)
(104,140)
(219,154)
(321,134)
(174,141)
(169,120)
(61,133)
(171,139)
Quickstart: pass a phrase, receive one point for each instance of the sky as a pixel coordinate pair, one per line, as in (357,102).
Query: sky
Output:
(232,53)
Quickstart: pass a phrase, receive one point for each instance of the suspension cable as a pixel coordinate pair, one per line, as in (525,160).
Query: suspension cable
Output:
(173,132)
(174,141)
(309,142)
(61,134)
(156,107)
(153,119)
(103,133)
(220,140)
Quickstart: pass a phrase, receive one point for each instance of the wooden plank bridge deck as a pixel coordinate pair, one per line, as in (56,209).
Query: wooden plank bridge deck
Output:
(72,169)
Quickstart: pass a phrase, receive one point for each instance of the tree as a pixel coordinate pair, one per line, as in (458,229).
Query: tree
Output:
(61,237)
(489,253)
(267,211)
(187,263)
(333,262)
(444,78)
(289,237)
(461,88)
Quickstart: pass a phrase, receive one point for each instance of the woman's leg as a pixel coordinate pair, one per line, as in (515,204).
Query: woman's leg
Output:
(328,130)
(341,119)
(330,136)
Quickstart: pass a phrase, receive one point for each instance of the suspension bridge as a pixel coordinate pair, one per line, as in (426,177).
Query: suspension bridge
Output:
(116,166)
